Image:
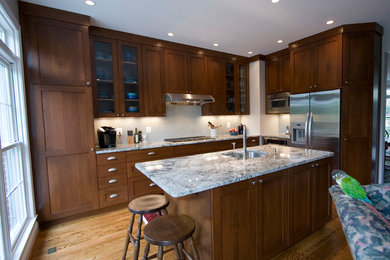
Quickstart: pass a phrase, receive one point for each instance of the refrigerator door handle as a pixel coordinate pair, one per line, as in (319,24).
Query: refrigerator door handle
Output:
(309,129)
(306,129)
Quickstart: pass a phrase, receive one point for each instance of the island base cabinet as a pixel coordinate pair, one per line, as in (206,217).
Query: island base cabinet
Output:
(234,221)
(272,214)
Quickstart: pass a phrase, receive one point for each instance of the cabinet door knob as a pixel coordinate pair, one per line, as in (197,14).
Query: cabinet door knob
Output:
(315,86)
(261,181)
(123,114)
(88,83)
(310,86)
(345,139)
(253,182)
(117,114)
(346,82)
(112,181)
(112,170)
(114,195)
(92,149)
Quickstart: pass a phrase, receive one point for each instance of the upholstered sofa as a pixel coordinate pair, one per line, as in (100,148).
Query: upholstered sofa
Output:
(367,235)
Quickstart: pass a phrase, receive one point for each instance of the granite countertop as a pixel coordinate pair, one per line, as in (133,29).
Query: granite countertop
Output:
(148,145)
(191,174)
(287,137)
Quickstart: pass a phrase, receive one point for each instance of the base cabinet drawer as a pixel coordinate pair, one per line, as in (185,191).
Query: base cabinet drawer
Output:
(111,169)
(149,154)
(252,141)
(113,196)
(228,144)
(111,181)
(109,158)
(141,185)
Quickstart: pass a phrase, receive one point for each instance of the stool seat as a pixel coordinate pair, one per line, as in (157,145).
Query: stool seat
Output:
(169,230)
(148,204)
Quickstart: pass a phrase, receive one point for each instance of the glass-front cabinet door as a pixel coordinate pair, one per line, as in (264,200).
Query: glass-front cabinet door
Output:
(230,89)
(104,78)
(129,81)
(243,88)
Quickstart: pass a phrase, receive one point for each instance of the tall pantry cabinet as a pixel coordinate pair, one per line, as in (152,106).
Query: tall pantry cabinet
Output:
(57,71)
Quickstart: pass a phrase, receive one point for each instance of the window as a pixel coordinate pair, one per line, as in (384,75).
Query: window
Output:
(16,200)
(387,122)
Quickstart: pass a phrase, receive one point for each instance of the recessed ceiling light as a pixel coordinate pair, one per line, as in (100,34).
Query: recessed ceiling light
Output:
(330,22)
(275,1)
(250,52)
(171,34)
(279,41)
(89,2)
(216,44)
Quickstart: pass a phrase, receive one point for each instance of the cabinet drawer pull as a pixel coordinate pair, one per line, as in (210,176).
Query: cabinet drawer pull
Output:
(111,158)
(112,170)
(253,182)
(261,181)
(114,195)
(253,141)
(314,165)
(152,184)
(151,153)
(113,181)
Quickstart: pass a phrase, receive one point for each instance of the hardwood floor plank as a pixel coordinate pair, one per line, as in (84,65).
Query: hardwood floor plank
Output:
(102,236)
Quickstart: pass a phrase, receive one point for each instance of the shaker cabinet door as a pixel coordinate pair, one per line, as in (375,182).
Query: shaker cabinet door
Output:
(175,67)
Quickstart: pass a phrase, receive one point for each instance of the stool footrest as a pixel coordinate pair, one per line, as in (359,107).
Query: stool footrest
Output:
(155,254)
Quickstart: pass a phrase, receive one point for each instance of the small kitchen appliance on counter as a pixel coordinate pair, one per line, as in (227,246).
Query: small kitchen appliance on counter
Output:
(106,137)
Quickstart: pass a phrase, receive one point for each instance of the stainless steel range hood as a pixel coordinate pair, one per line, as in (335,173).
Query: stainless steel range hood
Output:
(188,99)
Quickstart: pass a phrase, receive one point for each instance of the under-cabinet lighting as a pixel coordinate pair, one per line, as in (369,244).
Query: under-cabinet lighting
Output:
(250,52)
(171,34)
(279,41)
(89,2)
(330,22)
(275,1)
(216,44)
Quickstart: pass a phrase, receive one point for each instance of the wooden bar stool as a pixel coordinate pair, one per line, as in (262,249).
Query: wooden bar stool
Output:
(143,205)
(170,230)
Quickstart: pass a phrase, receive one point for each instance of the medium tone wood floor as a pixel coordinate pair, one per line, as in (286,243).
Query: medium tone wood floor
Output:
(102,237)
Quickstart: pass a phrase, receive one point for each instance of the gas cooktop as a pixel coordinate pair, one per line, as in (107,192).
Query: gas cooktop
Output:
(187,139)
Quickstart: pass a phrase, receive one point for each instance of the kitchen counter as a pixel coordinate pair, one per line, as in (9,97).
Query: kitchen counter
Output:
(148,145)
(284,137)
(192,174)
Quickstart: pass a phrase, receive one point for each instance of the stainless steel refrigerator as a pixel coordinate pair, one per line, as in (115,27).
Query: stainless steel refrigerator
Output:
(315,122)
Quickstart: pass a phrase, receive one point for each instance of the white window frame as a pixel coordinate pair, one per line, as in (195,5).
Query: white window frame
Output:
(10,51)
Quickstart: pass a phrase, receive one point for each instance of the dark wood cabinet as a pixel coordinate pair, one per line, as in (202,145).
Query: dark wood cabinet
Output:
(65,175)
(322,203)
(117,78)
(234,221)
(300,196)
(216,78)
(57,52)
(185,72)
(272,214)
(316,66)
(154,88)
(278,72)
(60,111)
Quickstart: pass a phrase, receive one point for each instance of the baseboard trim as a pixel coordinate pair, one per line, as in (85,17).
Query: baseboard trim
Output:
(27,250)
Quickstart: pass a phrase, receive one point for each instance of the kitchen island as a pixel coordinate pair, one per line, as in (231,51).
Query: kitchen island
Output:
(248,209)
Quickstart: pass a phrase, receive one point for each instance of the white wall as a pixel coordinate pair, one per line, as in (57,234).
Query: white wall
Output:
(180,121)
(252,121)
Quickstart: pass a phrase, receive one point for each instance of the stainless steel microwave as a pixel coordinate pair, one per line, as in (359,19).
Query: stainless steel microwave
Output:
(278,103)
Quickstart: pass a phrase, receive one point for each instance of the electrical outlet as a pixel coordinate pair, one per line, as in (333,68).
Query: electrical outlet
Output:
(228,125)
(148,129)
(119,131)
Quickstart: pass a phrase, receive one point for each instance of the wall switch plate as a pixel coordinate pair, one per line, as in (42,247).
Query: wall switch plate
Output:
(119,131)
(228,125)
(148,129)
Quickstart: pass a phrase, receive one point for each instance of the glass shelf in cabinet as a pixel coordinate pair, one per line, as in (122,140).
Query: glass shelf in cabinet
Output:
(103,59)
(130,62)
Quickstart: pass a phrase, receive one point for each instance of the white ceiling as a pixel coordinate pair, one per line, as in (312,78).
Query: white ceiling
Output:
(238,26)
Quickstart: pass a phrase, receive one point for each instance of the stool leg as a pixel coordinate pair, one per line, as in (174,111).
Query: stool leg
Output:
(181,254)
(146,252)
(176,251)
(194,250)
(138,238)
(160,253)
(129,230)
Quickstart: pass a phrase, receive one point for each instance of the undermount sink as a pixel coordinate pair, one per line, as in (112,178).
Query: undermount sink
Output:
(250,154)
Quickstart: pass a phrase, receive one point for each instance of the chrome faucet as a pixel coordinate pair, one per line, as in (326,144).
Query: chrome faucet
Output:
(244,141)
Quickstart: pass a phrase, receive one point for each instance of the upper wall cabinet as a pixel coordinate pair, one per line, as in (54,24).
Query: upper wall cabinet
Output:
(228,84)
(185,72)
(316,66)
(278,72)
(58,52)
(117,78)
